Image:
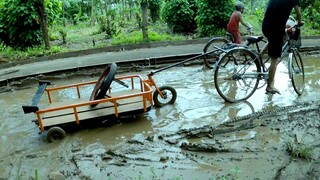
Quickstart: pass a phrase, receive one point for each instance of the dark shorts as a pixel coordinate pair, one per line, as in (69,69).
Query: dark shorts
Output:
(275,39)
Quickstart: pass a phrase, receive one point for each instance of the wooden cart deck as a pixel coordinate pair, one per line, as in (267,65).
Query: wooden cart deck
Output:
(131,104)
(137,98)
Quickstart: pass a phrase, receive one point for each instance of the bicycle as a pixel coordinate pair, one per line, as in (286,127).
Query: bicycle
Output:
(217,45)
(239,70)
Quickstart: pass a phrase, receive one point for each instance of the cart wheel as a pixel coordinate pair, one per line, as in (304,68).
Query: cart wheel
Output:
(104,82)
(55,133)
(170,96)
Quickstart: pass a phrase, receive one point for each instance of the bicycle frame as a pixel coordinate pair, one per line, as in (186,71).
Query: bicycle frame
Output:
(238,71)
(286,48)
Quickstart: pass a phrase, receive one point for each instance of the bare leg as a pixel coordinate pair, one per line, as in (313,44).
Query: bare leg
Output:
(264,49)
(272,73)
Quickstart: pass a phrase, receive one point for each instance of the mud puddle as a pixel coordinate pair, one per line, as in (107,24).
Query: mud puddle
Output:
(199,137)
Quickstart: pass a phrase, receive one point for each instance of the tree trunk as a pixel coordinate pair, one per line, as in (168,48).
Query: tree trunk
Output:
(144,26)
(130,3)
(93,13)
(43,22)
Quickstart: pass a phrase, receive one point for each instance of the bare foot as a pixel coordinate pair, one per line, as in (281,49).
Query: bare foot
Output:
(272,90)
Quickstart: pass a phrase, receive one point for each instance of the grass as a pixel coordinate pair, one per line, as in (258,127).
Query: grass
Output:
(298,150)
(9,54)
(136,37)
(85,36)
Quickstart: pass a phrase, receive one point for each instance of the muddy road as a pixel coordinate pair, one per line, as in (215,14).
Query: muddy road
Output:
(199,137)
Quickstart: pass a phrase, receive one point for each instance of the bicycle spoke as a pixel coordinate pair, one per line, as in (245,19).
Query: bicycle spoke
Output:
(236,76)
(216,47)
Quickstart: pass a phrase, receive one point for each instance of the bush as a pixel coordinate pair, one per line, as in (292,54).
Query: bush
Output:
(19,25)
(154,7)
(179,15)
(213,16)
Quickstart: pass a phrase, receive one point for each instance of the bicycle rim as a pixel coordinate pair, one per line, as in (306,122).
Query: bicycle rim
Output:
(237,75)
(211,58)
(296,71)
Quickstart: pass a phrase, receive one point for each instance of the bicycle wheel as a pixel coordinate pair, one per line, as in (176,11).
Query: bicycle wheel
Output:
(237,75)
(296,71)
(213,46)
(103,84)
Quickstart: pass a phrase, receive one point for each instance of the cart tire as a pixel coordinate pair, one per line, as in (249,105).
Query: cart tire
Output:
(103,83)
(169,93)
(55,133)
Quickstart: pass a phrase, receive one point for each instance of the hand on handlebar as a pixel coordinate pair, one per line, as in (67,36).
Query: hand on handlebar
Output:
(250,29)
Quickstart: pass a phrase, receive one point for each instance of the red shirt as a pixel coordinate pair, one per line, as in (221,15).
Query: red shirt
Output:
(233,25)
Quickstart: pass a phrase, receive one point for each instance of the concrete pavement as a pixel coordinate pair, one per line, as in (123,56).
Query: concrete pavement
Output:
(144,54)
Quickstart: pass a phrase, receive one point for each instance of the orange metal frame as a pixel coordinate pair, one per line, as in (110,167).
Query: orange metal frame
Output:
(146,93)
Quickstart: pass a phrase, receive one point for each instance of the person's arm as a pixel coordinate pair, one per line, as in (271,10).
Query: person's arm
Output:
(298,13)
(243,22)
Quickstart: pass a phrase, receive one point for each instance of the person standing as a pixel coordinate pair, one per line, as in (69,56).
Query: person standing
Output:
(273,27)
(233,25)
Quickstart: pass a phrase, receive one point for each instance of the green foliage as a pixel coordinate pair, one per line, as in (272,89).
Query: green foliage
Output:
(20,27)
(306,3)
(7,52)
(179,15)
(54,10)
(71,9)
(63,35)
(110,27)
(104,25)
(136,37)
(311,14)
(213,16)
(154,7)
(298,150)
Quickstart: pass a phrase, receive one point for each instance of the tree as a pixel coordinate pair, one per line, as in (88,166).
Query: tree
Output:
(154,7)
(180,15)
(25,23)
(213,16)
(144,24)
(311,14)
(39,4)
(20,27)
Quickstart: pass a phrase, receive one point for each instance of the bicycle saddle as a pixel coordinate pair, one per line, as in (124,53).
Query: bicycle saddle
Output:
(254,39)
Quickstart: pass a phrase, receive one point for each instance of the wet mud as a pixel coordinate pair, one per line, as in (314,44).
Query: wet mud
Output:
(199,137)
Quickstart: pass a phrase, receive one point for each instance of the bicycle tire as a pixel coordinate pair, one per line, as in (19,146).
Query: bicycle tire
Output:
(232,79)
(296,71)
(103,83)
(211,58)
(170,96)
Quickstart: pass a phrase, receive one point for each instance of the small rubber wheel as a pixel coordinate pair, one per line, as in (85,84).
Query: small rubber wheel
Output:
(55,133)
(103,83)
(170,96)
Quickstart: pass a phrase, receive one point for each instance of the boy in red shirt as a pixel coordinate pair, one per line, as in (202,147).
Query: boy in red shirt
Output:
(233,25)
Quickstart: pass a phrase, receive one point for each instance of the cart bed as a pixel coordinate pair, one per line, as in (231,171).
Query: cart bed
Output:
(136,98)
(132,104)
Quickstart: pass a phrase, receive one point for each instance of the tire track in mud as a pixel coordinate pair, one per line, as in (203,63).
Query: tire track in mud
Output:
(158,150)
(244,123)
(299,123)
(178,152)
